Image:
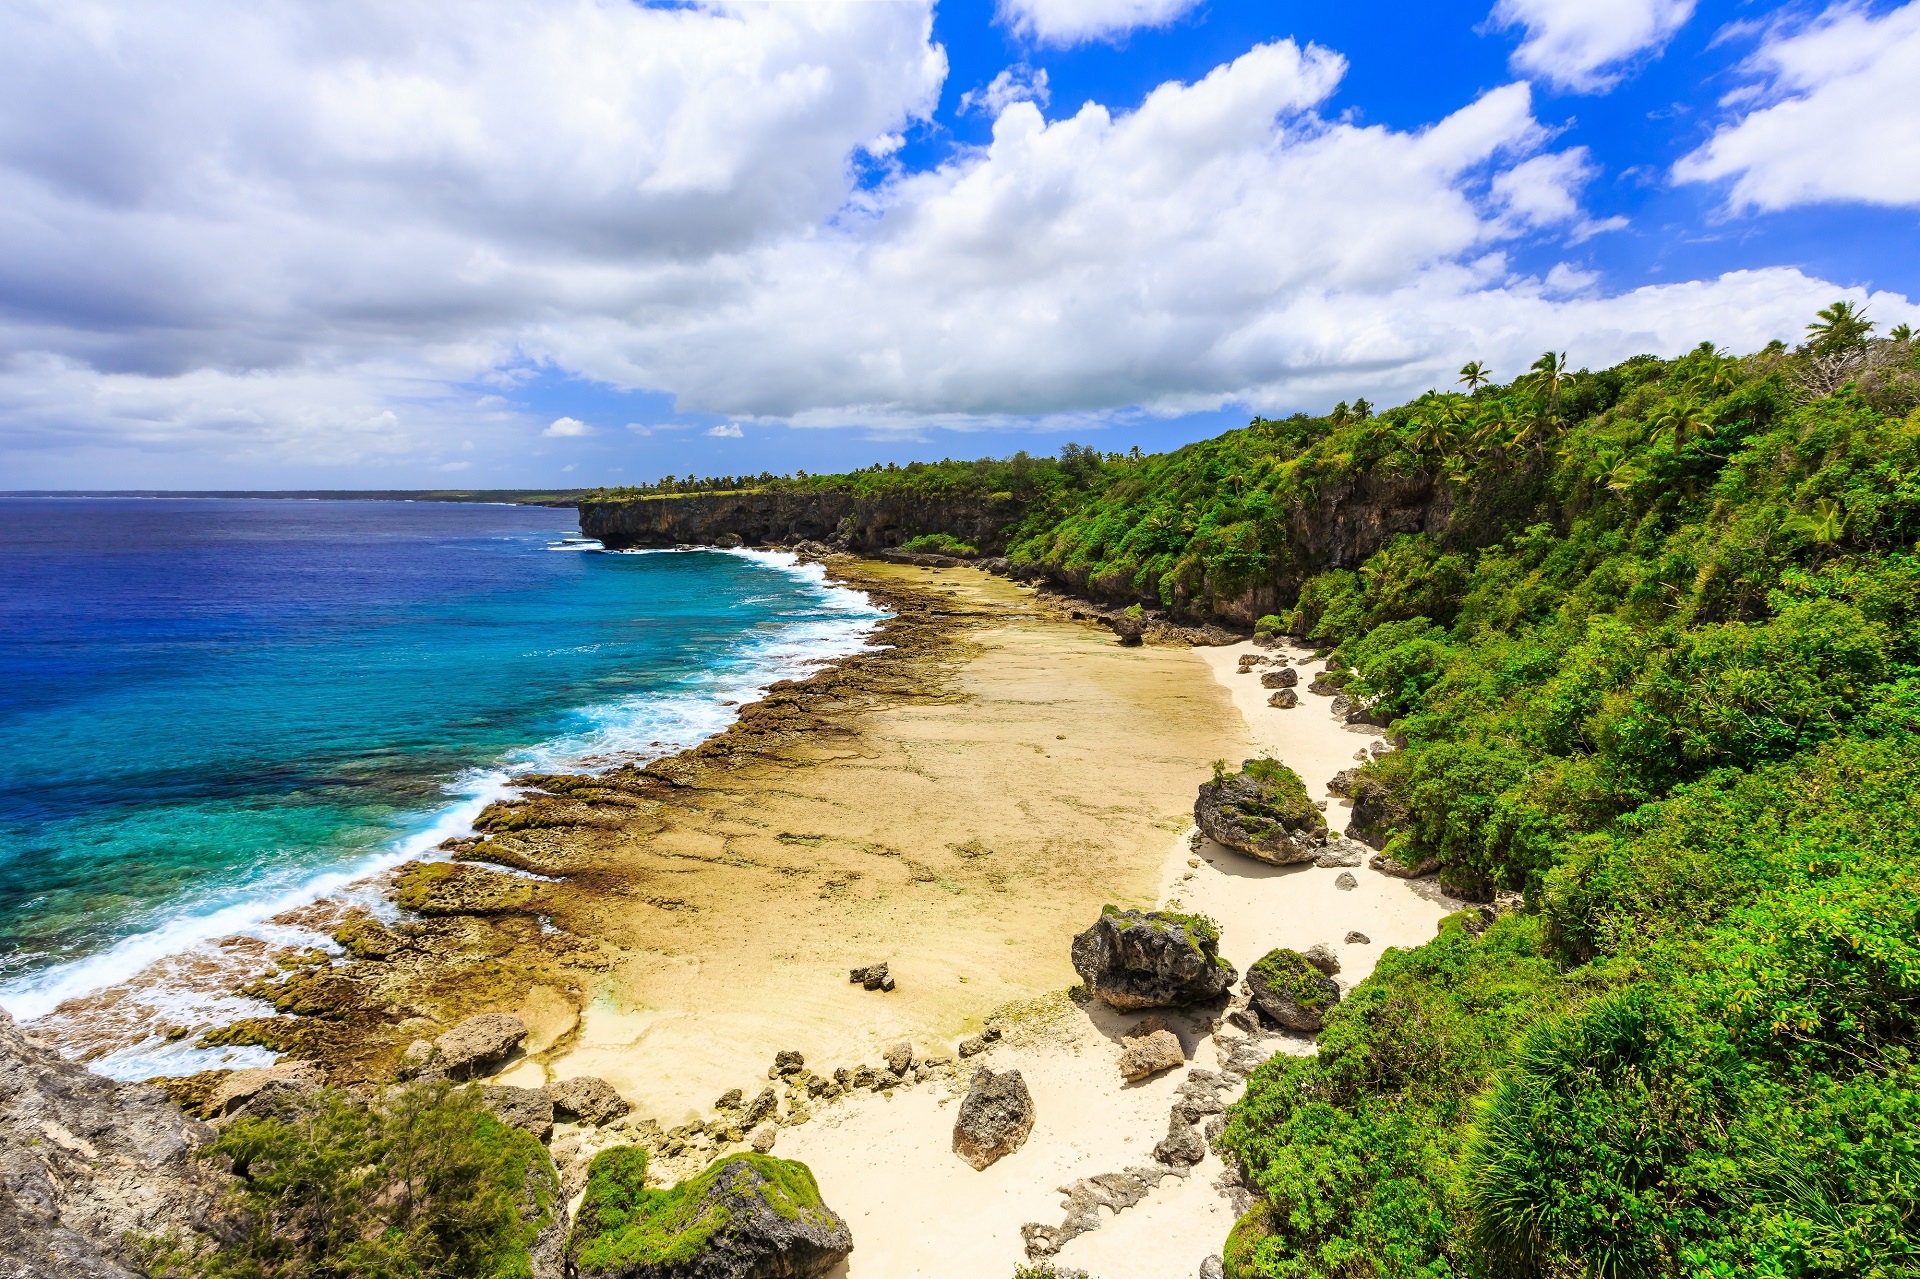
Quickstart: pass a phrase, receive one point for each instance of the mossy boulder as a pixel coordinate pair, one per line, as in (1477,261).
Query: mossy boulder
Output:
(749,1216)
(1152,959)
(1263,811)
(1287,987)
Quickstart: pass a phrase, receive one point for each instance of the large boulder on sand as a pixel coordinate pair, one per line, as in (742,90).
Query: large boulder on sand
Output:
(1150,1054)
(748,1216)
(1288,988)
(1151,959)
(1285,677)
(995,1117)
(1263,811)
(478,1044)
(588,1099)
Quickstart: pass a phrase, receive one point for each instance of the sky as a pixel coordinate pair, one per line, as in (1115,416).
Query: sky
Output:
(503,243)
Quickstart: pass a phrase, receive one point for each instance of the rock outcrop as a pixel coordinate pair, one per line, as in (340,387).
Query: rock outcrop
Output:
(837,518)
(1377,811)
(474,1047)
(748,1216)
(995,1117)
(1151,959)
(1150,1053)
(1262,811)
(587,1099)
(1287,987)
(86,1162)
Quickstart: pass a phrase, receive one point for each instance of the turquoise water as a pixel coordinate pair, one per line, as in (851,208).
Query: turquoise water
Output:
(215,710)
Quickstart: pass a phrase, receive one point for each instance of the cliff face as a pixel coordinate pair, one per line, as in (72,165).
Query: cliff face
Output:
(85,1161)
(1344,525)
(866,524)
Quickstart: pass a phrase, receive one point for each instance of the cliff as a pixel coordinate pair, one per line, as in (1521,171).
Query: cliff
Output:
(836,516)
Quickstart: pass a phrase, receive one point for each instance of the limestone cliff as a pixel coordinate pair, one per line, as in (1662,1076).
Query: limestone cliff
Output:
(838,517)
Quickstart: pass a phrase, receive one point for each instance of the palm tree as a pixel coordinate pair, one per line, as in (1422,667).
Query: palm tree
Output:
(1475,375)
(1617,471)
(1824,523)
(1548,373)
(1901,333)
(1683,419)
(1841,327)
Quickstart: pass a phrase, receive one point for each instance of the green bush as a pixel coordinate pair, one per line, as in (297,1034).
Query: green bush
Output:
(939,544)
(422,1182)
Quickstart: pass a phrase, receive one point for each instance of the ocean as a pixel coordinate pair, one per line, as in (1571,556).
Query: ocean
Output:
(216,711)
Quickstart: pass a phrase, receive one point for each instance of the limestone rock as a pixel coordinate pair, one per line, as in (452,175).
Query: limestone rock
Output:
(1150,959)
(762,1137)
(1285,677)
(1288,988)
(85,1162)
(478,1045)
(1286,699)
(1213,1268)
(1151,1054)
(1358,939)
(729,1100)
(240,1091)
(788,1062)
(1340,785)
(871,977)
(1327,683)
(528,1109)
(588,1099)
(748,1216)
(1321,956)
(995,1117)
(899,1057)
(972,1046)
(1339,853)
(1345,881)
(1262,811)
(1182,1145)
(761,1107)
(1390,866)
(1377,811)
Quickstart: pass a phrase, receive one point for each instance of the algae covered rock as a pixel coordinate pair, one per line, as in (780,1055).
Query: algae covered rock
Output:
(1287,987)
(1152,959)
(1263,811)
(748,1216)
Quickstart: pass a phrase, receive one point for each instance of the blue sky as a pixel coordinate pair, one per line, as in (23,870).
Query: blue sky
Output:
(597,242)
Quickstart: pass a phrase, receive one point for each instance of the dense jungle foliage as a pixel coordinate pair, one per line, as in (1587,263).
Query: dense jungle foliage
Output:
(1664,680)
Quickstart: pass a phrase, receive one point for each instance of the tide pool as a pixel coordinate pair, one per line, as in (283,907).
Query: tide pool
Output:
(216,709)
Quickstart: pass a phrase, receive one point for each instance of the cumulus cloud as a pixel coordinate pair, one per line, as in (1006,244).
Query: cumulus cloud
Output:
(562,427)
(728,432)
(1019,83)
(349,234)
(1830,115)
(1071,22)
(1586,45)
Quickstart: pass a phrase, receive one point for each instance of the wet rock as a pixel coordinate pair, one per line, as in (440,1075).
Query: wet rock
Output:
(995,1117)
(1321,956)
(748,1216)
(479,1045)
(528,1109)
(1285,986)
(1286,699)
(1345,881)
(86,1163)
(1151,1054)
(239,1092)
(1285,677)
(1150,959)
(1263,811)
(588,1099)
(1358,939)
(899,1057)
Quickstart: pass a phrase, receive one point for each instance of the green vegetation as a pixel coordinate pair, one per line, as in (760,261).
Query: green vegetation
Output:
(938,544)
(1288,970)
(622,1224)
(423,1183)
(1282,793)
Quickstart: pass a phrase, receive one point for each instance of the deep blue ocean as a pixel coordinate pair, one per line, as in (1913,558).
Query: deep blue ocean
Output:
(214,710)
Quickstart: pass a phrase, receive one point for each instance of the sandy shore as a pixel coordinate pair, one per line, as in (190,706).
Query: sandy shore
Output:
(958,837)
(885,1161)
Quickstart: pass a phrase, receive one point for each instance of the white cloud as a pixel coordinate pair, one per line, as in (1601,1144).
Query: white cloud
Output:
(1070,22)
(1018,83)
(1584,45)
(728,432)
(350,236)
(1832,115)
(567,426)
